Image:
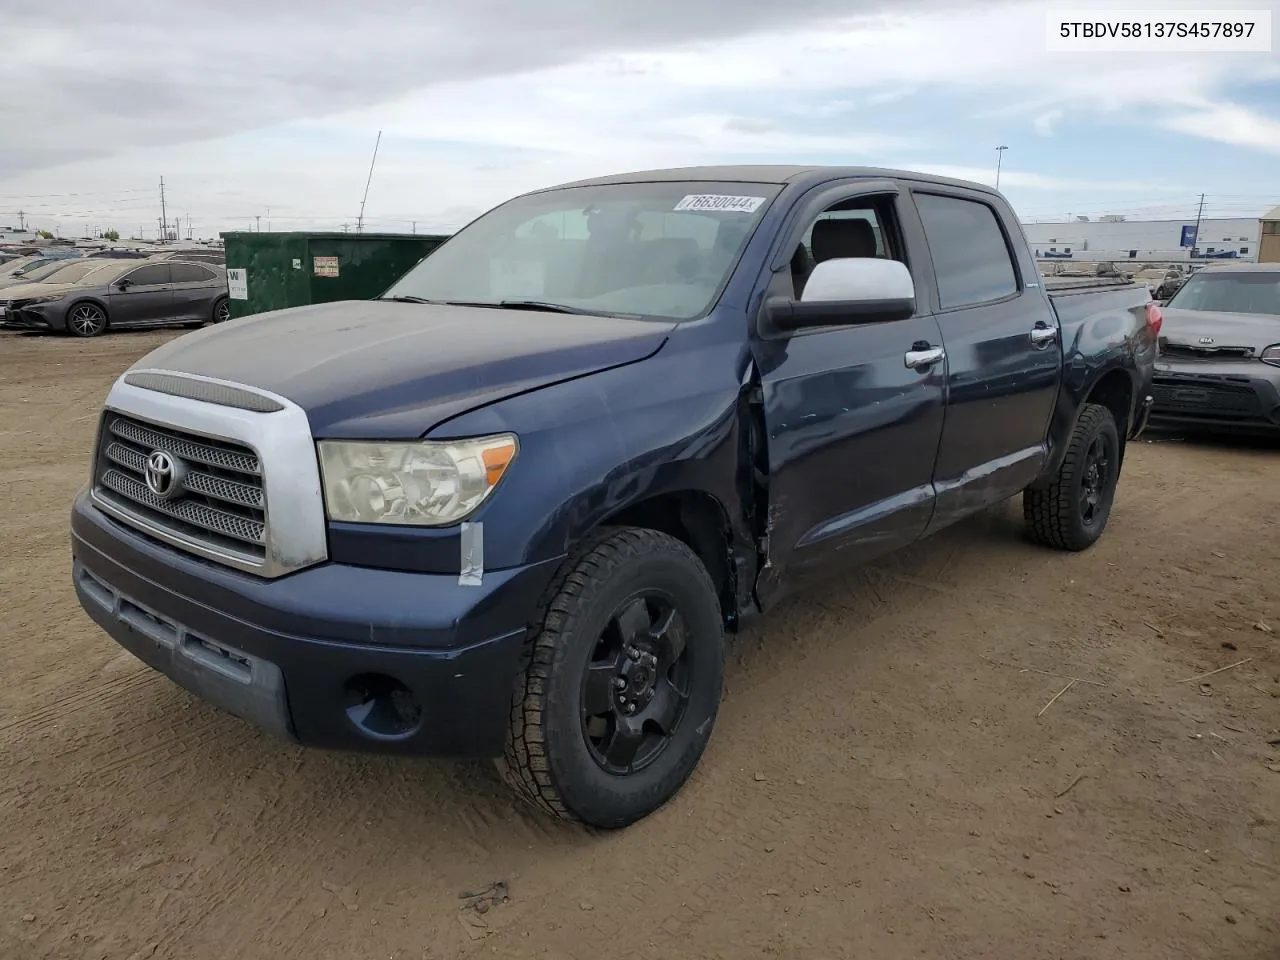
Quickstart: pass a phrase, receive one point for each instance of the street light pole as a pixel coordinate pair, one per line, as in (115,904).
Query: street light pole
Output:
(999,159)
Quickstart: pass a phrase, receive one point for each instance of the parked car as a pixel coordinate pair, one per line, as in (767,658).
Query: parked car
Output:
(1219,362)
(120,295)
(42,272)
(121,255)
(511,507)
(198,255)
(14,266)
(26,270)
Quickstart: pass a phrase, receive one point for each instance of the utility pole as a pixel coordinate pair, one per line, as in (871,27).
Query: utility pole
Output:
(258,221)
(415,227)
(360,220)
(1195,242)
(164,214)
(22,220)
(268,219)
(188,226)
(999,159)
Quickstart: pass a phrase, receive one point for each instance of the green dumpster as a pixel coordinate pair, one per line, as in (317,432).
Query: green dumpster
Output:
(271,271)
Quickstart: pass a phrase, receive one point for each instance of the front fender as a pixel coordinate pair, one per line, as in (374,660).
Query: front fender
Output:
(594,446)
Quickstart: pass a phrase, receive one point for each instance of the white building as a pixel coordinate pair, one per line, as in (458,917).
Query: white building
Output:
(1112,238)
(14,235)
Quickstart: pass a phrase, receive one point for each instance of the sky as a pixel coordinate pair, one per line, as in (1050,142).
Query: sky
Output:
(263,114)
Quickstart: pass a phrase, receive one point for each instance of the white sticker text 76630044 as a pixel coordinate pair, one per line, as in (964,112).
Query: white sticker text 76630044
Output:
(716,202)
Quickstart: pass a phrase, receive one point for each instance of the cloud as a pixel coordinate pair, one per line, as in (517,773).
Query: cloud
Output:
(81,81)
(1045,122)
(250,104)
(1033,181)
(1229,123)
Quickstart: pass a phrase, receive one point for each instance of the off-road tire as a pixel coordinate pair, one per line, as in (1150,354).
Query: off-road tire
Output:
(1053,515)
(546,760)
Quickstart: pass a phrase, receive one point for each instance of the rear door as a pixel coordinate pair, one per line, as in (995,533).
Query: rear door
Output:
(1004,359)
(147,297)
(195,287)
(852,426)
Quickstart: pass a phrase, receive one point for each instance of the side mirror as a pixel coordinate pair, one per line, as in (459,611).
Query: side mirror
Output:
(848,292)
(125,284)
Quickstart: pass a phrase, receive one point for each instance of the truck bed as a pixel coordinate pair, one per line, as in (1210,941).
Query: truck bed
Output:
(1067,286)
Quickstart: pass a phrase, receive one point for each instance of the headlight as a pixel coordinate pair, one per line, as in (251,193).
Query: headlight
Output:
(51,298)
(1271,355)
(425,483)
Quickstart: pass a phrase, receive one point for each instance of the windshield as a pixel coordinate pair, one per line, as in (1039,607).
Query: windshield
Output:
(44,271)
(660,250)
(72,272)
(1231,292)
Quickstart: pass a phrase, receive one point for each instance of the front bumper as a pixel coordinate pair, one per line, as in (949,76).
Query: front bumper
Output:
(332,656)
(23,318)
(1244,395)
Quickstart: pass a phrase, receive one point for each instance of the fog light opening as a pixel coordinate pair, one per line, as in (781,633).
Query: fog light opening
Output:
(381,707)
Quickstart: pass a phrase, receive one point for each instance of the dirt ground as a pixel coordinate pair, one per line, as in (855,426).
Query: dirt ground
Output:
(889,776)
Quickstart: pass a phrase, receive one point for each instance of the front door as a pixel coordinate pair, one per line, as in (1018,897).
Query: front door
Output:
(146,298)
(853,416)
(1004,359)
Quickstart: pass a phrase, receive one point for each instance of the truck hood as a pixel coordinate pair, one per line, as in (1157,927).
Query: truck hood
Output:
(1254,330)
(384,370)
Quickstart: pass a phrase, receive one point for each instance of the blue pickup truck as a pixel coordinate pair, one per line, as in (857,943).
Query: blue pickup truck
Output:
(512,507)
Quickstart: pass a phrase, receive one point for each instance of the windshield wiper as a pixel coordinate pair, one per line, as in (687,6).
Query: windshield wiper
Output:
(497,305)
(537,305)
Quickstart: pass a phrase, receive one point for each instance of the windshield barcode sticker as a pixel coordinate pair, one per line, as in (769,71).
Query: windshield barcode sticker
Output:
(720,203)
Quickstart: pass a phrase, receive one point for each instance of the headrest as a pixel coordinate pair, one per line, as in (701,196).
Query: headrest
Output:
(852,237)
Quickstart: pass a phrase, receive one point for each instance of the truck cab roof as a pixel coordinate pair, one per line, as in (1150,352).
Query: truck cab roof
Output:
(790,175)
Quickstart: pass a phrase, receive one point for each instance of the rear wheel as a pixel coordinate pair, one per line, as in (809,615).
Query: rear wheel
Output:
(623,682)
(1072,512)
(222,310)
(86,320)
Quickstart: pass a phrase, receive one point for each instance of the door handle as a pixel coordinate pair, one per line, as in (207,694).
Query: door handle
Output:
(922,355)
(1043,333)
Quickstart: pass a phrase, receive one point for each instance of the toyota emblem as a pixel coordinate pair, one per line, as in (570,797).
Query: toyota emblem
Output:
(162,474)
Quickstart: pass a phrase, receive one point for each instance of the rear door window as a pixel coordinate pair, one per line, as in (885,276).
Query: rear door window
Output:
(190,273)
(971,257)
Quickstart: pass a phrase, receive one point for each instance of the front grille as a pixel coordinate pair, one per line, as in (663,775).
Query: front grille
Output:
(1206,397)
(219,502)
(1182,351)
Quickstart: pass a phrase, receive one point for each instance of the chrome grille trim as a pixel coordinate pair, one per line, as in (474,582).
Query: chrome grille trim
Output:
(209,455)
(188,511)
(223,394)
(254,479)
(209,484)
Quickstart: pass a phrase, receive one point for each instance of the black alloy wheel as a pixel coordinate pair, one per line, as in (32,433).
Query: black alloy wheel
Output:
(635,689)
(86,320)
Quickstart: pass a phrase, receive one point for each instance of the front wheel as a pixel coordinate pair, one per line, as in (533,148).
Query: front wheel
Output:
(1072,511)
(86,320)
(617,702)
(221,310)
